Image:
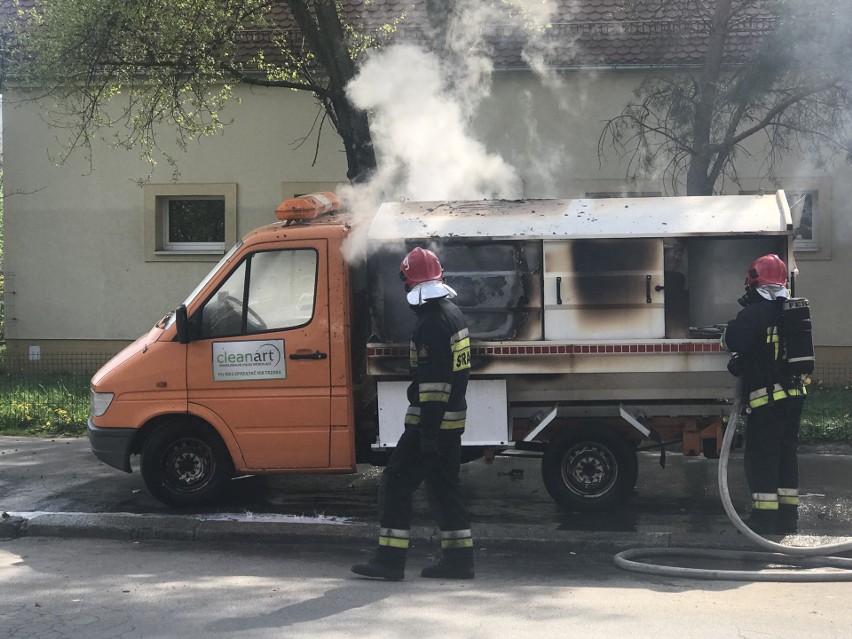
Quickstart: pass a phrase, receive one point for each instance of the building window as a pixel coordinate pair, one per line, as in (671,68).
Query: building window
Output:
(193,224)
(804,209)
(810,206)
(189,222)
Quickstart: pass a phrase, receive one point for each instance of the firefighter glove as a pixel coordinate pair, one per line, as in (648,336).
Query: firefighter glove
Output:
(736,365)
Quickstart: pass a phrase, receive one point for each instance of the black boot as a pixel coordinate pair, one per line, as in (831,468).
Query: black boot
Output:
(788,520)
(388,563)
(762,522)
(456,563)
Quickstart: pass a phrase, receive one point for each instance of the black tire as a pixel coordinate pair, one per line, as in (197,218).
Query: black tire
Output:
(185,464)
(589,469)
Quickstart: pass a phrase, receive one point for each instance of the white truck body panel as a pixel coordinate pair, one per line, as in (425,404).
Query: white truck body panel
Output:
(584,218)
(487,414)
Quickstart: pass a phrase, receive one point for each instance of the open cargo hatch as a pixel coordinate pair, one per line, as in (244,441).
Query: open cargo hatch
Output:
(580,269)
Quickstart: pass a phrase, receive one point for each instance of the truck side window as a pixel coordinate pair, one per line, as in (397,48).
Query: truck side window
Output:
(281,288)
(222,314)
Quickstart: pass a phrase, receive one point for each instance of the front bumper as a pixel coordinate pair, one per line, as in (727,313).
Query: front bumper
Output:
(112,445)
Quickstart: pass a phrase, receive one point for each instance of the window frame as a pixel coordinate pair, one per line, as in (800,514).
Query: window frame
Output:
(157,196)
(801,244)
(165,213)
(314,289)
(244,331)
(819,246)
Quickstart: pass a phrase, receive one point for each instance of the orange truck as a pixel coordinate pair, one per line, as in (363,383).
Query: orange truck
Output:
(595,329)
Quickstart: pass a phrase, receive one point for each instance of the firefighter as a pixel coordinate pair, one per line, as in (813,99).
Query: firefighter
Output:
(775,398)
(429,449)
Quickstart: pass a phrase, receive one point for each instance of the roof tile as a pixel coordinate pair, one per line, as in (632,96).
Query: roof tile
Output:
(582,32)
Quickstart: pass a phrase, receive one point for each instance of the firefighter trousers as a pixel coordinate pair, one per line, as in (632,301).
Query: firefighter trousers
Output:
(407,469)
(771,461)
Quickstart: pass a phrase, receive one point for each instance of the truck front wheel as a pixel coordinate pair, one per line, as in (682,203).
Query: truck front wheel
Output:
(589,470)
(185,465)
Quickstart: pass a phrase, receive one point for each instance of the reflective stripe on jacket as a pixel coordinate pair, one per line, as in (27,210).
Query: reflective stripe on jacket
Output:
(439,356)
(761,397)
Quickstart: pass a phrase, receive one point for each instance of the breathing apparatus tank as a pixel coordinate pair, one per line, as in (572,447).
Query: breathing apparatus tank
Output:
(795,331)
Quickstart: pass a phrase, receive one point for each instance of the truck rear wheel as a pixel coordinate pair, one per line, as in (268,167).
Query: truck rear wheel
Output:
(185,465)
(589,469)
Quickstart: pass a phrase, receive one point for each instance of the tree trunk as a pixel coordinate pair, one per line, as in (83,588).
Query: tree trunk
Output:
(698,181)
(324,31)
(354,129)
(698,175)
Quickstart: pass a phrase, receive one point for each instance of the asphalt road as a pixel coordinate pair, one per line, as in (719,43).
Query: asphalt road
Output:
(58,487)
(86,552)
(118,589)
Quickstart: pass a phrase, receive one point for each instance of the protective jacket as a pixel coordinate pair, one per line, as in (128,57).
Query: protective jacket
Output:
(439,357)
(430,448)
(754,334)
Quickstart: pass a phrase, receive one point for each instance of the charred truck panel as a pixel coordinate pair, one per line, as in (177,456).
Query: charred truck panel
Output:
(604,289)
(498,288)
(579,310)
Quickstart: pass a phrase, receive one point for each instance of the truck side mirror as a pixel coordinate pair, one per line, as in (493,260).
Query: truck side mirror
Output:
(182,324)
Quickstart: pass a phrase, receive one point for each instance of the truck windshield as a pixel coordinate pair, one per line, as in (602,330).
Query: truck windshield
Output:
(170,318)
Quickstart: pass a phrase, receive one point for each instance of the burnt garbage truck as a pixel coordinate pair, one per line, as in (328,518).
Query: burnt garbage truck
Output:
(595,327)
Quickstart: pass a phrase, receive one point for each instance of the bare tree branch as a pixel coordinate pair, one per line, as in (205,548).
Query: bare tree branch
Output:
(790,88)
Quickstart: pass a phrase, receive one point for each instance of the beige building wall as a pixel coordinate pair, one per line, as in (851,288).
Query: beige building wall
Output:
(79,268)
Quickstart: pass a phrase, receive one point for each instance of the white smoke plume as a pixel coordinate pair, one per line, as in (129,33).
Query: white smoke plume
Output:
(421,108)
(424,146)
(421,135)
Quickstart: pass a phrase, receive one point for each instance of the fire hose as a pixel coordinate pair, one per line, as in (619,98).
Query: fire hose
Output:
(819,561)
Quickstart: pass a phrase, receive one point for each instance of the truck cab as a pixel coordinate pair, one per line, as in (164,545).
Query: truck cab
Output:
(251,374)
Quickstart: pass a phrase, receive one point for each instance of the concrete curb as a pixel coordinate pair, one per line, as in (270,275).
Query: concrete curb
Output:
(10,527)
(128,526)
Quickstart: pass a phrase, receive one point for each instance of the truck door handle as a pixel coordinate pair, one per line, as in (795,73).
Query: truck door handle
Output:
(314,355)
(558,290)
(647,289)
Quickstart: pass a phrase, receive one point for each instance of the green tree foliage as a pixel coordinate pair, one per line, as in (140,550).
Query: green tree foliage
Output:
(128,70)
(789,91)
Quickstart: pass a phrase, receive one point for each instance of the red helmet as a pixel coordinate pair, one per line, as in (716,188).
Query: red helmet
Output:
(768,269)
(420,265)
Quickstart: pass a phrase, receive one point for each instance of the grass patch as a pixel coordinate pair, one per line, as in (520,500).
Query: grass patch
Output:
(55,405)
(49,406)
(827,417)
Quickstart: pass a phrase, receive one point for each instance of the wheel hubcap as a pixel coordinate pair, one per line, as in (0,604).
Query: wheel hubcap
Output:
(589,470)
(189,464)
(188,467)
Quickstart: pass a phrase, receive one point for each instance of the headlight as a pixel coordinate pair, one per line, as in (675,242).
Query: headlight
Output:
(100,402)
